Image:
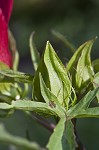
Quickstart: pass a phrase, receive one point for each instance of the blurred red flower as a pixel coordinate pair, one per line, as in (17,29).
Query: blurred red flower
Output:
(5,13)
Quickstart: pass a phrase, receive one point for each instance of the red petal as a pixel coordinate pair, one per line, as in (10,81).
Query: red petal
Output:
(5,55)
(6,6)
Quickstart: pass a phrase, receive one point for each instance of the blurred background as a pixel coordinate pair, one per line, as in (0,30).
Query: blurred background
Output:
(76,20)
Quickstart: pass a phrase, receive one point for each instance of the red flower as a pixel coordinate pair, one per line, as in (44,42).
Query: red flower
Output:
(5,12)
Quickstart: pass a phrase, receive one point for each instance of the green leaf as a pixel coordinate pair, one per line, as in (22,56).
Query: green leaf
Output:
(8,90)
(9,139)
(90,112)
(95,65)
(55,77)
(5,106)
(51,99)
(82,105)
(38,107)
(16,61)
(63,137)
(96,83)
(46,93)
(36,93)
(34,52)
(59,81)
(3,86)
(14,50)
(70,135)
(25,91)
(64,40)
(84,71)
(27,105)
(10,76)
(14,92)
(71,66)
(55,141)
(80,66)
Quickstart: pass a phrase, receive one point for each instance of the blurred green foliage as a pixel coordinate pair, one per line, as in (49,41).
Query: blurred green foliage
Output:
(77,20)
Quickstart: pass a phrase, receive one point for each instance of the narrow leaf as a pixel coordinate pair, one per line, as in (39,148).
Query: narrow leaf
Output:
(70,135)
(34,52)
(64,40)
(90,112)
(83,104)
(71,66)
(84,70)
(5,106)
(14,76)
(38,107)
(63,137)
(27,105)
(80,67)
(14,50)
(55,141)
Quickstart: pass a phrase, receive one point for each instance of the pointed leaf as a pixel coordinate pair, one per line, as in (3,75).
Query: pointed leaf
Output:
(84,71)
(70,135)
(79,65)
(82,105)
(28,105)
(34,53)
(60,84)
(64,40)
(14,50)
(55,141)
(14,76)
(63,137)
(90,112)
(55,77)
(38,107)
(71,66)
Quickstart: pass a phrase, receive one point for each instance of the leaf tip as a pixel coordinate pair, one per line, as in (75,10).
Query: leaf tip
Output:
(49,46)
(48,43)
(94,39)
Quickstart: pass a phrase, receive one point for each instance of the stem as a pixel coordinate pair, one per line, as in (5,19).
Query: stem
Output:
(45,123)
